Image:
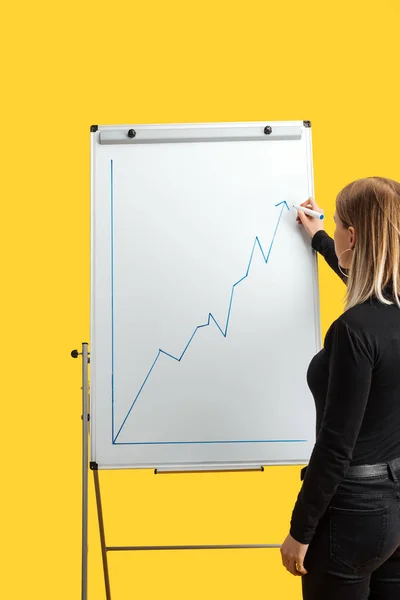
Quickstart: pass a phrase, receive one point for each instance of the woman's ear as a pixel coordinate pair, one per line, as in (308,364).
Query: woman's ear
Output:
(352,240)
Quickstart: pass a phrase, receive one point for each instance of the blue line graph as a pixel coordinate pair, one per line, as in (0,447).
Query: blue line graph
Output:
(223,329)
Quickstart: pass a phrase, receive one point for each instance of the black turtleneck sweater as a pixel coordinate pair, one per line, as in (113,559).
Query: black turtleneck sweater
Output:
(355,382)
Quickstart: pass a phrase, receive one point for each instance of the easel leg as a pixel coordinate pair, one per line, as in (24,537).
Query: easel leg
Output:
(85,434)
(102,535)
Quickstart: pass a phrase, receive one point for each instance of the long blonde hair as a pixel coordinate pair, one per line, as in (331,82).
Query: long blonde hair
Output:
(372,207)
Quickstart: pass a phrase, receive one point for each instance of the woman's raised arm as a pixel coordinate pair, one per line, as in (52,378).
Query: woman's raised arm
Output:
(320,240)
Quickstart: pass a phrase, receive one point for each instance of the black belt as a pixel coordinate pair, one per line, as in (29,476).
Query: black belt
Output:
(360,471)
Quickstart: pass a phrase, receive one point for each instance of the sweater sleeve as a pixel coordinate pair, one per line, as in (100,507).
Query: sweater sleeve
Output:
(350,371)
(324,244)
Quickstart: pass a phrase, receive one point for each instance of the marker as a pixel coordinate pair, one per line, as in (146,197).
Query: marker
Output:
(308,211)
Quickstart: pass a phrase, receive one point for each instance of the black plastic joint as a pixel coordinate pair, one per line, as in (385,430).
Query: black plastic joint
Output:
(307,123)
(94,466)
(93,128)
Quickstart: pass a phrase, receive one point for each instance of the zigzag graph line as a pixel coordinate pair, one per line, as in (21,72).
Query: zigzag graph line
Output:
(224,331)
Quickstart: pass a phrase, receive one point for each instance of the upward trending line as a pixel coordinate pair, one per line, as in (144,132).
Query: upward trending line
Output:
(210,315)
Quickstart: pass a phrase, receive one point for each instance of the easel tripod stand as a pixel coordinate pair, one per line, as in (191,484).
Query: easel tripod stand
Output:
(93,466)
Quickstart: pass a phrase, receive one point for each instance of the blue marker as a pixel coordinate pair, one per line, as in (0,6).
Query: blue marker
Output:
(308,211)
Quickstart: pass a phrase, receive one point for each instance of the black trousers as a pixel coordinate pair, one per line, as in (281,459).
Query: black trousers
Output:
(355,553)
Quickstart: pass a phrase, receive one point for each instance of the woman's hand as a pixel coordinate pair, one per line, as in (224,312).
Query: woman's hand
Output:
(293,554)
(310,224)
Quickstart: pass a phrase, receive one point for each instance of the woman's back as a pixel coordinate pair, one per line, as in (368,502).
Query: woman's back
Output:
(377,326)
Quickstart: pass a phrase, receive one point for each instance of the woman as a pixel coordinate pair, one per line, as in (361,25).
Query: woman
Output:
(345,529)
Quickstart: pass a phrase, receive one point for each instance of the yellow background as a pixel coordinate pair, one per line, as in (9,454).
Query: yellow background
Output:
(65,67)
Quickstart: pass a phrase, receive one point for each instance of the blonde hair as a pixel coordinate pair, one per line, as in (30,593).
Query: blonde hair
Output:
(372,207)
